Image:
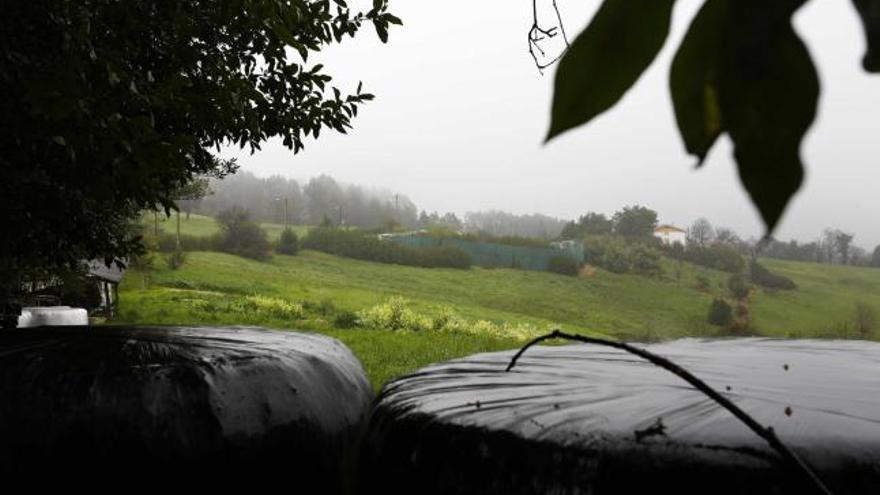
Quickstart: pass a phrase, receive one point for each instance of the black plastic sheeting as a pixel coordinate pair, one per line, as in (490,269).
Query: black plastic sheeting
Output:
(583,419)
(171,407)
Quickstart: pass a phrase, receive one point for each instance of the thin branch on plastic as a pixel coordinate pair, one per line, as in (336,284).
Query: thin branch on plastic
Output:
(767,433)
(547,39)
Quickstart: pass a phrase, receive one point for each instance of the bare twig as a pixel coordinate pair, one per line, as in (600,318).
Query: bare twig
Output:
(766,433)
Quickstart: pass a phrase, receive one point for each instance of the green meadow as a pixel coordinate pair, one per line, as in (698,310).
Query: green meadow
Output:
(398,318)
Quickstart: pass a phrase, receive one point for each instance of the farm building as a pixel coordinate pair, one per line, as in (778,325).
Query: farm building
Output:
(670,234)
(107,278)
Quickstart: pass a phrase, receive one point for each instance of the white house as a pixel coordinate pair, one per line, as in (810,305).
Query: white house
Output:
(670,234)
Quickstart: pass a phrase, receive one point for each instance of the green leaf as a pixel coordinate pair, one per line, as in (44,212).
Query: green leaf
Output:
(768,91)
(607,59)
(742,69)
(693,80)
(381,30)
(869,10)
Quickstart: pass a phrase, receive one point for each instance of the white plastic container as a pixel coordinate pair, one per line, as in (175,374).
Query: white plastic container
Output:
(52,316)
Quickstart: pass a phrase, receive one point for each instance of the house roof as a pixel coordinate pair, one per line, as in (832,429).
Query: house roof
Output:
(669,229)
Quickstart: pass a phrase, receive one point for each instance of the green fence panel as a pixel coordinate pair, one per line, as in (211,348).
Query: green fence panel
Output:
(490,254)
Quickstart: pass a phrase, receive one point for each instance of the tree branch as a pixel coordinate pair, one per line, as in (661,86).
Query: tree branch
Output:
(766,433)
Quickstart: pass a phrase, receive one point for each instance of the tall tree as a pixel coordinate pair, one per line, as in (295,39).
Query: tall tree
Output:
(827,246)
(843,243)
(188,196)
(110,107)
(635,222)
(701,232)
(875,257)
(725,235)
(589,224)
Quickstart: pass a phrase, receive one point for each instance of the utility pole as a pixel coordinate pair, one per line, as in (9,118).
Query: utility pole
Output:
(178,229)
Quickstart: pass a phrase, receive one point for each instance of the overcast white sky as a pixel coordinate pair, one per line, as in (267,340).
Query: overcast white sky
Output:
(461,112)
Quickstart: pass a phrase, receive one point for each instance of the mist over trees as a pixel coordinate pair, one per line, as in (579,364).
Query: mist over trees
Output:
(447,221)
(325,201)
(589,224)
(321,200)
(501,223)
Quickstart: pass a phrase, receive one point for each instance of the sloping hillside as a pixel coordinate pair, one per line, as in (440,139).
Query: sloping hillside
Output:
(500,307)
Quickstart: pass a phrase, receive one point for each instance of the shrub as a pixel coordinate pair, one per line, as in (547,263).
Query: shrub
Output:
(618,256)
(763,277)
(394,315)
(741,324)
(357,244)
(720,313)
(865,320)
(176,259)
(251,306)
(719,257)
(616,261)
(838,330)
(738,286)
(276,308)
(563,265)
(288,243)
(240,236)
(346,319)
(702,283)
(645,259)
(599,249)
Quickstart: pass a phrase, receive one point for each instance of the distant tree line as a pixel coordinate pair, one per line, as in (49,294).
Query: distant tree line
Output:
(632,222)
(503,224)
(329,203)
(833,246)
(320,201)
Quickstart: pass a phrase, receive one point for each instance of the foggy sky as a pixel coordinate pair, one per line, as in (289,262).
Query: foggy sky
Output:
(461,112)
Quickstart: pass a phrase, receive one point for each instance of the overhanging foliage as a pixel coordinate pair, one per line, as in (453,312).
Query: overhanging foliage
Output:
(110,107)
(741,69)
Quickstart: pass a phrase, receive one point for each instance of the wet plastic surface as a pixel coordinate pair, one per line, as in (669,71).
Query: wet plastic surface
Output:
(586,419)
(171,407)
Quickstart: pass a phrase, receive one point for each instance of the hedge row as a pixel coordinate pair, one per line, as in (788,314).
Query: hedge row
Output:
(763,277)
(356,244)
(719,257)
(619,256)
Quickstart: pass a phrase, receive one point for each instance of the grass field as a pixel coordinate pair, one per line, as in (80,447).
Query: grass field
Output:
(315,291)
(202,226)
(824,303)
